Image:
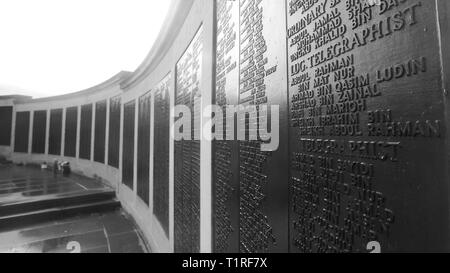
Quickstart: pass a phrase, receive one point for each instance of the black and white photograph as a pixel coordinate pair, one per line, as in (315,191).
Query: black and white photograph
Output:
(225,127)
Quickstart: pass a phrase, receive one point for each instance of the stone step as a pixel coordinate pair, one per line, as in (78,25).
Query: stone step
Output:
(47,202)
(12,221)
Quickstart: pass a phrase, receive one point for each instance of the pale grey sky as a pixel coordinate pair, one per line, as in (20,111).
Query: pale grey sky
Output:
(52,47)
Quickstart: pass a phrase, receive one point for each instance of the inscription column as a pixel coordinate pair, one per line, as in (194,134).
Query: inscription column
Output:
(226,161)
(360,76)
(250,74)
(187,152)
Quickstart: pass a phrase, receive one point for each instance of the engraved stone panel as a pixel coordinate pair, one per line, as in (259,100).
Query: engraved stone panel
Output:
(187,152)
(100,132)
(143,164)
(128,144)
(39,131)
(161,153)
(263,179)
(22,132)
(366,126)
(225,165)
(114,132)
(6,114)
(70,144)
(86,131)
(251,71)
(55,132)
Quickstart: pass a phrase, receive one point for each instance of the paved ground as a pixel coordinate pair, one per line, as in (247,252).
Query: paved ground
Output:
(113,232)
(106,233)
(19,184)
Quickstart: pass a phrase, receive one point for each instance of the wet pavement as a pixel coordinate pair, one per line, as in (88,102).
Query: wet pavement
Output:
(20,184)
(112,232)
(107,232)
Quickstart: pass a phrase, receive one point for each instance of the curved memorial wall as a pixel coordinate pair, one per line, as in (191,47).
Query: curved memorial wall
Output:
(358,153)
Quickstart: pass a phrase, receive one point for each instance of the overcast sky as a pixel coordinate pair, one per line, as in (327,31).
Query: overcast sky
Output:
(52,47)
